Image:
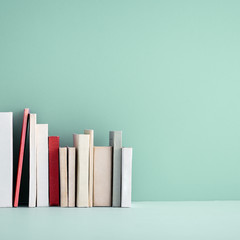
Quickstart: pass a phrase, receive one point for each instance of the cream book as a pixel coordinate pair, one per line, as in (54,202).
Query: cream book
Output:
(6,159)
(81,142)
(42,165)
(102,177)
(91,144)
(71,176)
(115,140)
(63,176)
(126,177)
(32,160)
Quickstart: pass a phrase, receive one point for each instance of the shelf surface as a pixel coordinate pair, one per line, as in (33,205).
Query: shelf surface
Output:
(211,220)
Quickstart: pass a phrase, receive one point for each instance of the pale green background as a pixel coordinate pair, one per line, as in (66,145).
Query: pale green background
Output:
(165,72)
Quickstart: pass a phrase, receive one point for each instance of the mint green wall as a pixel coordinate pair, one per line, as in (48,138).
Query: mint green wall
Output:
(165,72)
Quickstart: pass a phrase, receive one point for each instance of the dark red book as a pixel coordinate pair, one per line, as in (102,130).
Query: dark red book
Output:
(21,154)
(53,148)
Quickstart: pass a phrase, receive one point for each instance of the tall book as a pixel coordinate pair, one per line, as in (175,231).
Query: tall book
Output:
(6,159)
(32,160)
(102,177)
(126,177)
(42,165)
(53,148)
(91,144)
(81,142)
(21,155)
(115,140)
(63,176)
(71,176)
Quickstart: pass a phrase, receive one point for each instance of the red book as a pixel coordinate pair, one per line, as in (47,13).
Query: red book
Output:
(21,154)
(53,146)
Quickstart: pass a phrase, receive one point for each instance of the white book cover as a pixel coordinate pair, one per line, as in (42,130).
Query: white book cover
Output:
(115,140)
(6,159)
(63,176)
(32,160)
(42,165)
(71,176)
(91,144)
(126,177)
(81,142)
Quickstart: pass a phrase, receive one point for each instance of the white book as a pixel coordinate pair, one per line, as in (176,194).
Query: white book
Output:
(91,144)
(115,140)
(81,142)
(32,160)
(71,176)
(63,176)
(6,159)
(126,177)
(42,165)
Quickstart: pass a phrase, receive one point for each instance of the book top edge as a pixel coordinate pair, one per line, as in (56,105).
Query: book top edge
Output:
(6,113)
(102,146)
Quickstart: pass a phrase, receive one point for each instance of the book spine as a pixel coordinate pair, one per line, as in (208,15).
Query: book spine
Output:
(63,176)
(53,147)
(21,154)
(42,165)
(81,142)
(32,161)
(115,140)
(102,176)
(71,176)
(91,144)
(6,159)
(126,177)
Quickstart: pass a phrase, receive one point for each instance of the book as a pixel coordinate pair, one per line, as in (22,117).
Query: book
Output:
(91,144)
(32,160)
(63,176)
(42,165)
(71,176)
(53,148)
(81,142)
(126,177)
(115,140)
(6,159)
(21,155)
(102,177)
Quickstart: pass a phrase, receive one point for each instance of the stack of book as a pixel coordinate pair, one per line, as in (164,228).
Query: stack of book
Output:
(83,175)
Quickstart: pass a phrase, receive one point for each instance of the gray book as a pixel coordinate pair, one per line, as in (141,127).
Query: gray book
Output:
(6,159)
(115,140)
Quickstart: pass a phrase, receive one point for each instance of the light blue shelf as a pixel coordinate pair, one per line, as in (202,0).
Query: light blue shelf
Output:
(145,220)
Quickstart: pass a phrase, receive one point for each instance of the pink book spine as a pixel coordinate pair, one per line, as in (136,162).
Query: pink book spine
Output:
(21,154)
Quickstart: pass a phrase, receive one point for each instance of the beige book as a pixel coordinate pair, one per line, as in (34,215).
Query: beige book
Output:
(71,176)
(102,177)
(81,142)
(91,144)
(63,176)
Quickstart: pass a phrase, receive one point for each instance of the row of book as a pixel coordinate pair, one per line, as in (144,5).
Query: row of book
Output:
(80,176)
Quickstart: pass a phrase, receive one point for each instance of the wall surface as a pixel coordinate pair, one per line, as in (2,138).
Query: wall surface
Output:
(165,72)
